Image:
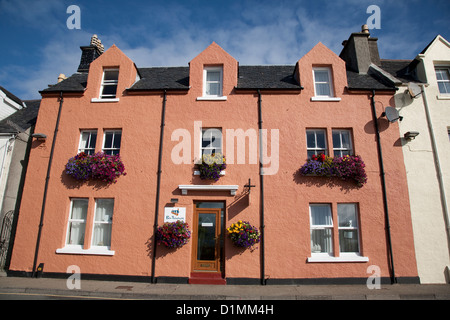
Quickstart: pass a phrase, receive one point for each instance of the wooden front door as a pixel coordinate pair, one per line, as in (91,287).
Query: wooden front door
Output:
(206,240)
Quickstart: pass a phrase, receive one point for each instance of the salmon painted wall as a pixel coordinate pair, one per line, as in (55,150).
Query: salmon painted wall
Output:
(287,195)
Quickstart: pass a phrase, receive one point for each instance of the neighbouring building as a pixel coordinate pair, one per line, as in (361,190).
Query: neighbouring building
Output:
(267,121)
(16,128)
(423,100)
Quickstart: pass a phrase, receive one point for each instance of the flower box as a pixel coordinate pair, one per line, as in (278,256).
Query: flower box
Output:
(212,166)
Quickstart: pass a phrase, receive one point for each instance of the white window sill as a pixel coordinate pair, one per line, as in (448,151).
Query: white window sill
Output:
(102,251)
(344,257)
(212,98)
(443,97)
(105,100)
(197,173)
(325,99)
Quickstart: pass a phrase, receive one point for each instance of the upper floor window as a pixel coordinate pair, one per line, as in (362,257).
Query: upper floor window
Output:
(323,85)
(316,142)
(443,80)
(211,141)
(109,84)
(342,143)
(112,141)
(212,84)
(88,140)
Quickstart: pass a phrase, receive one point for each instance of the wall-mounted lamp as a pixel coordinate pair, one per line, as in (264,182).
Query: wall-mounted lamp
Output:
(39,136)
(411,135)
(174,200)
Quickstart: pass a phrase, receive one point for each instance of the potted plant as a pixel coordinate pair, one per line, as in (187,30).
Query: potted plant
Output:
(243,234)
(211,166)
(173,234)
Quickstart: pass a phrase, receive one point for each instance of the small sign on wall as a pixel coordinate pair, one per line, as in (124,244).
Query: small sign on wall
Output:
(172,214)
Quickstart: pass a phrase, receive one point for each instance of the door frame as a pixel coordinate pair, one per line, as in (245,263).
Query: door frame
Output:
(208,265)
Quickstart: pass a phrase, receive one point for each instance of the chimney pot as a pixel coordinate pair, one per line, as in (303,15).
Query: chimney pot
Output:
(365,28)
(61,77)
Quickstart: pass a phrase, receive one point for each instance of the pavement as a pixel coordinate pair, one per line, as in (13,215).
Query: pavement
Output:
(33,288)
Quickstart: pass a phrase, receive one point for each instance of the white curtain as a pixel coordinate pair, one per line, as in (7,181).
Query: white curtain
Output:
(103,222)
(77,222)
(321,224)
(322,82)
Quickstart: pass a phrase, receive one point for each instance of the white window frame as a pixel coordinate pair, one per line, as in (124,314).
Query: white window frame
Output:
(316,149)
(210,147)
(331,96)
(104,150)
(206,96)
(447,70)
(70,221)
(107,98)
(94,222)
(350,228)
(321,227)
(338,151)
(82,148)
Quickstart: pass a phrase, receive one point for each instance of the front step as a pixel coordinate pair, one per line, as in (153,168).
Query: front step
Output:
(207,278)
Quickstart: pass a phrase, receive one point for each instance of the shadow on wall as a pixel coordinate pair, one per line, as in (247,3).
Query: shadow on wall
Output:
(330,182)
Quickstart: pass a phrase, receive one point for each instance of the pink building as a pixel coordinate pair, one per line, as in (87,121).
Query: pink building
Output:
(313,229)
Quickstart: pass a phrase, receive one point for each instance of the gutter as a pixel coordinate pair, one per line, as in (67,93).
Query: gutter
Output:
(383,186)
(261,184)
(437,164)
(47,178)
(158,184)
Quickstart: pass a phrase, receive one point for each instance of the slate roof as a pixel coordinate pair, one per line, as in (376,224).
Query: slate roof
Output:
(401,69)
(11,96)
(173,78)
(75,83)
(267,77)
(21,120)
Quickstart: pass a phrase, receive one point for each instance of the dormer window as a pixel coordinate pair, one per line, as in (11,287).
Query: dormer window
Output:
(109,84)
(213,84)
(323,85)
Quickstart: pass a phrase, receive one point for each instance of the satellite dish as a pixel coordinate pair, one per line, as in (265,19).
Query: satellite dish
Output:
(414,89)
(391,114)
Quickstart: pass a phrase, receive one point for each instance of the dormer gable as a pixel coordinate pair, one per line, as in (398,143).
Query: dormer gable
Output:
(322,74)
(110,75)
(213,74)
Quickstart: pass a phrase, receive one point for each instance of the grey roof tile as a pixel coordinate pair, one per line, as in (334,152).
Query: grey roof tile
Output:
(21,120)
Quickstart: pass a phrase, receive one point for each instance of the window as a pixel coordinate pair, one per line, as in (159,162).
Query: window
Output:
(316,142)
(104,209)
(212,84)
(323,85)
(443,80)
(211,141)
(342,143)
(109,84)
(321,228)
(77,222)
(112,141)
(348,227)
(88,140)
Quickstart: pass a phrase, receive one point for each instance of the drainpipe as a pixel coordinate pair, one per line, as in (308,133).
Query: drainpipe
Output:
(261,183)
(158,184)
(437,164)
(47,178)
(383,186)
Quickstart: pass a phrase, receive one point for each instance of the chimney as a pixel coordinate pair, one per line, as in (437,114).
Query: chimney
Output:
(90,53)
(61,77)
(360,51)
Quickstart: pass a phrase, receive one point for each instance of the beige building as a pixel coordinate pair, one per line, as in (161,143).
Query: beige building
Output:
(423,100)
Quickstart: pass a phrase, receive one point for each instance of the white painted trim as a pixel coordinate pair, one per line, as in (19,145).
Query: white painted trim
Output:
(330,99)
(197,173)
(200,187)
(443,97)
(212,98)
(102,251)
(344,257)
(104,100)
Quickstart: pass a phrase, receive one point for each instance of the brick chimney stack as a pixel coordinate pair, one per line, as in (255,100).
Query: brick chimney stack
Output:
(90,53)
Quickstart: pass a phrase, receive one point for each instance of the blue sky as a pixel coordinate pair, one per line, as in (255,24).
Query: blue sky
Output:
(37,45)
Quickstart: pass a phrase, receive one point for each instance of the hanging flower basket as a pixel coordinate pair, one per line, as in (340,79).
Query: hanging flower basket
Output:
(173,234)
(344,168)
(243,234)
(99,166)
(211,166)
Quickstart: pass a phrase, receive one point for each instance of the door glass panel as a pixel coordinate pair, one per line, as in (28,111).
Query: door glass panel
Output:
(206,249)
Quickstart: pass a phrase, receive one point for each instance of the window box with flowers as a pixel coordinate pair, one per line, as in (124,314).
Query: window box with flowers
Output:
(345,168)
(173,235)
(99,166)
(243,234)
(212,166)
